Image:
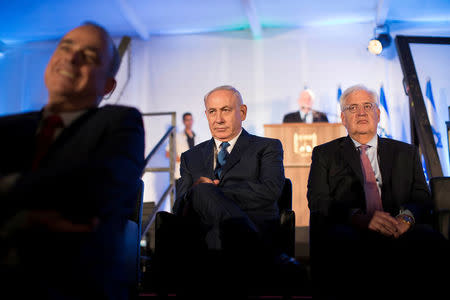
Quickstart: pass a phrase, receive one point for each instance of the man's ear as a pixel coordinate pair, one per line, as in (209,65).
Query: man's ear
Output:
(243,110)
(110,86)
(342,118)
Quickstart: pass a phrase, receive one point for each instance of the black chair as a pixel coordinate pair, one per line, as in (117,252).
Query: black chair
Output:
(287,220)
(173,233)
(166,223)
(440,194)
(133,229)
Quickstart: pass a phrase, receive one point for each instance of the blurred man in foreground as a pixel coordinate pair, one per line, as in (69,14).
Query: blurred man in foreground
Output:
(69,178)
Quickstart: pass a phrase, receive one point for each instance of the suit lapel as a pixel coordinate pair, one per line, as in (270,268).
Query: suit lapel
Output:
(236,153)
(26,131)
(315,117)
(69,132)
(351,155)
(208,156)
(385,160)
(300,117)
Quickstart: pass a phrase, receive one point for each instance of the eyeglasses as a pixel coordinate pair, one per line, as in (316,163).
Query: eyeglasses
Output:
(353,108)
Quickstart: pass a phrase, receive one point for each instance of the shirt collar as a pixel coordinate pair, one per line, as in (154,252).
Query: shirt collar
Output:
(373,143)
(231,142)
(67,117)
(303,114)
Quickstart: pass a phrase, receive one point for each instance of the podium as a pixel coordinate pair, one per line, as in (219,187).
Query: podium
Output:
(298,141)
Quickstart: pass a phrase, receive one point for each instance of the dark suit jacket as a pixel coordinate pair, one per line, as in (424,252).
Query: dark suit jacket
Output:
(295,117)
(92,169)
(336,184)
(253,176)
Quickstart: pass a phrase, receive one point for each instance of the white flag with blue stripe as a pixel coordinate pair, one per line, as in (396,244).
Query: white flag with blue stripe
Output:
(384,126)
(435,124)
(338,105)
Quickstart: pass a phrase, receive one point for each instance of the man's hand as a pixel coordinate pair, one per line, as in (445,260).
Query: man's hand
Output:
(187,208)
(205,180)
(53,221)
(385,224)
(402,227)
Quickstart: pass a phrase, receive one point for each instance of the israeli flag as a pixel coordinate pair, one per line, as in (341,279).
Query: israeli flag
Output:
(384,126)
(435,123)
(338,105)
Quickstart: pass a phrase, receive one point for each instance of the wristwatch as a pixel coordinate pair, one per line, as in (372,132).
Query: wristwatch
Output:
(406,219)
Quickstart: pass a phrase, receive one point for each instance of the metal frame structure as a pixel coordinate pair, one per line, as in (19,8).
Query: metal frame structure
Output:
(170,133)
(421,132)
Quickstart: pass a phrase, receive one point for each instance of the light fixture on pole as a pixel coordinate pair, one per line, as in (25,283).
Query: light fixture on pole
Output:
(380,41)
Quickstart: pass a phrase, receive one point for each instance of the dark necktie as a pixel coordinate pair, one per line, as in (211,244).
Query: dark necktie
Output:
(45,137)
(373,198)
(222,157)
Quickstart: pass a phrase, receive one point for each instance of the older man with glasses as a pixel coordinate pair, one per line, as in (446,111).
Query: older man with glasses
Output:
(369,201)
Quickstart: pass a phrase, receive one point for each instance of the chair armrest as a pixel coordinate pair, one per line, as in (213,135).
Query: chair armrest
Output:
(287,231)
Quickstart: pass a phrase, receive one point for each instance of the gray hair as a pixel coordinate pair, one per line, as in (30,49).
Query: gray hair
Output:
(310,93)
(355,88)
(235,92)
(115,57)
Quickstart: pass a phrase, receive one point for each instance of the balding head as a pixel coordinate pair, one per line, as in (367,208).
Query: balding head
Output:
(82,68)
(225,112)
(306,100)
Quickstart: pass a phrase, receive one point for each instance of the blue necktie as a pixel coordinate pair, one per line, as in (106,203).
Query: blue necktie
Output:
(222,157)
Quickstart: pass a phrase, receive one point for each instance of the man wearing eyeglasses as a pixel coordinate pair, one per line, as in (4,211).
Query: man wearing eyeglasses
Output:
(368,200)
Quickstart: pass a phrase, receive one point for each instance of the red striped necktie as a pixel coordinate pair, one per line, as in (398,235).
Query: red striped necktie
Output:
(373,198)
(45,137)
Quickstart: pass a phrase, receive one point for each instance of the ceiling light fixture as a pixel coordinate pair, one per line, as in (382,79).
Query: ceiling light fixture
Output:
(380,41)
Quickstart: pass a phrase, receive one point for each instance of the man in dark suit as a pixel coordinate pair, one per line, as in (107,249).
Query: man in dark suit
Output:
(369,200)
(249,182)
(232,182)
(69,178)
(305,114)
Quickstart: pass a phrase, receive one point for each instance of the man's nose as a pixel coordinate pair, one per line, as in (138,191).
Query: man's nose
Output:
(219,118)
(361,111)
(75,57)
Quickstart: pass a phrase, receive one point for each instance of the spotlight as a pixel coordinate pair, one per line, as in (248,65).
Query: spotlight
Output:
(379,43)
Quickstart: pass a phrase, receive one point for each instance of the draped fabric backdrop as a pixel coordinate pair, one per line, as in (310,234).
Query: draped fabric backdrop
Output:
(173,73)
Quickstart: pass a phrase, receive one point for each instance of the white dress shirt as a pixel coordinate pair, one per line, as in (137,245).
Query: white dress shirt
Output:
(308,117)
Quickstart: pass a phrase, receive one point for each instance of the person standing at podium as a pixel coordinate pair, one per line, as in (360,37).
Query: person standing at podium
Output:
(305,114)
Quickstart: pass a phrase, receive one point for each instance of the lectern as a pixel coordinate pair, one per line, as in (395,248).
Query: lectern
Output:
(298,141)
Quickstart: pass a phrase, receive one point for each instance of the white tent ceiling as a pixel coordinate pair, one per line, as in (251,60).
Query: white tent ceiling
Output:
(30,20)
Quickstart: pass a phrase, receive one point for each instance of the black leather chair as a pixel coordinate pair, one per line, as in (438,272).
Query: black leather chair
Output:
(173,233)
(166,223)
(287,220)
(133,229)
(440,194)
